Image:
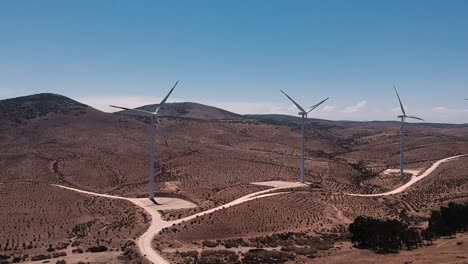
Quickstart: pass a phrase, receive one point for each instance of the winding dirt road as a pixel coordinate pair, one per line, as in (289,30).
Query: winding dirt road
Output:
(145,241)
(414,179)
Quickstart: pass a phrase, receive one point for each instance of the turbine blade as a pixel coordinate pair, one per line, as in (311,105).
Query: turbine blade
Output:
(132,109)
(120,107)
(415,117)
(165,98)
(296,104)
(317,105)
(401,105)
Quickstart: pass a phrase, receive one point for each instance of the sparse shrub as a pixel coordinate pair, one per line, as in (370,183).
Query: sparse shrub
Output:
(59,254)
(323,246)
(77,251)
(210,244)
(255,256)
(287,249)
(207,253)
(75,243)
(40,257)
(244,243)
(218,256)
(304,250)
(97,249)
(61,246)
(191,254)
(231,243)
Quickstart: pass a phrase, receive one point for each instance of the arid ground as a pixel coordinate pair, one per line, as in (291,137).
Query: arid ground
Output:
(212,157)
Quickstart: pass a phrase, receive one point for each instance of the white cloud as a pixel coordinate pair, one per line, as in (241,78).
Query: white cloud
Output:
(448,110)
(328,108)
(355,108)
(441,109)
(247,107)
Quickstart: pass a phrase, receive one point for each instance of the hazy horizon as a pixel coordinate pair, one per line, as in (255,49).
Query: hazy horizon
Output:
(291,111)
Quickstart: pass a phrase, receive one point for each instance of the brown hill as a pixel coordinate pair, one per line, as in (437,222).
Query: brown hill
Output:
(20,109)
(212,157)
(52,138)
(190,110)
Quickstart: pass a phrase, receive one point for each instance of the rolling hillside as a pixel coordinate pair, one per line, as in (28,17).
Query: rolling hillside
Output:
(211,158)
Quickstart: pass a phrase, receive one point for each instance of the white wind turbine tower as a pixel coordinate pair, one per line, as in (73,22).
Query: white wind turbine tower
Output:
(304,114)
(403,117)
(153,116)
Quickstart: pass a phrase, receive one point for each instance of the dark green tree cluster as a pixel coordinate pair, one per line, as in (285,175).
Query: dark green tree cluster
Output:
(383,236)
(449,220)
(393,235)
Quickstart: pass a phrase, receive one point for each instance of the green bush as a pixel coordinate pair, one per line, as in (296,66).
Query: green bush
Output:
(303,251)
(255,256)
(40,257)
(231,243)
(287,248)
(209,244)
(192,254)
(207,253)
(218,256)
(323,246)
(97,249)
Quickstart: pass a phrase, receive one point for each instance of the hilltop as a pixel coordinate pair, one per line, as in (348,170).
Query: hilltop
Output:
(28,107)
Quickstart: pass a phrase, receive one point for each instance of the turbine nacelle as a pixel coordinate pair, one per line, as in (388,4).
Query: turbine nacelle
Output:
(404,115)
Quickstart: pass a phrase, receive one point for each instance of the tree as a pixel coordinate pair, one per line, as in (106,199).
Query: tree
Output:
(383,236)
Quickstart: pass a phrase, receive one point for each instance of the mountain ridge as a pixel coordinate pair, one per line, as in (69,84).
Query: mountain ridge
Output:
(41,104)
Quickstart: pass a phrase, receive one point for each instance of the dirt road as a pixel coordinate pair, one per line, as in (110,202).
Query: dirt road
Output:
(145,241)
(414,179)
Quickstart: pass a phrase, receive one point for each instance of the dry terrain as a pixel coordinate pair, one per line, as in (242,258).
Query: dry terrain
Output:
(212,158)
(40,219)
(446,250)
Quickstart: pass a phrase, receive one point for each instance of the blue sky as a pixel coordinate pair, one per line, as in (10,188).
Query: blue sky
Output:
(238,54)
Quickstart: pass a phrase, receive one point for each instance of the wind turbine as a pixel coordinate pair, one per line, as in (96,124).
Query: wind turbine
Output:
(153,116)
(304,114)
(403,117)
